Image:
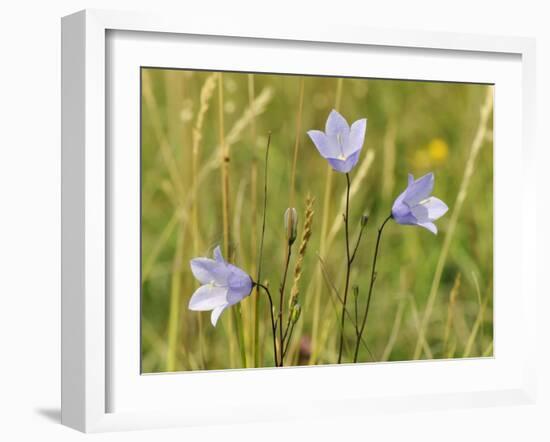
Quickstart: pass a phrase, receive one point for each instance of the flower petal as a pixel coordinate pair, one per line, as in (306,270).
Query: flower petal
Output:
(216,314)
(344,166)
(234,296)
(218,255)
(430,226)
(356,137)
(419,190)
(429,209)
(401,213)
(436,208)
(326,146)
(399,200)
(240,286)
(237,274)
(208,297)
(336,124)
(339,142)
(338,165)
(207,270)
(420,212)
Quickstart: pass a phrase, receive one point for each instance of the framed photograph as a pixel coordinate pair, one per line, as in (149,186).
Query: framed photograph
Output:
(266,224)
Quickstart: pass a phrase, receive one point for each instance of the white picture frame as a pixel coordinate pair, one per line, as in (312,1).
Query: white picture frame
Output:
(89,326)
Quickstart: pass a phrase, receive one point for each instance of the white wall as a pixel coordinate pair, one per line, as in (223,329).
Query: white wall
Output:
(30,219)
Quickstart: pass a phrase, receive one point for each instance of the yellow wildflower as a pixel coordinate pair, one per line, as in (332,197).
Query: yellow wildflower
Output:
(438,151)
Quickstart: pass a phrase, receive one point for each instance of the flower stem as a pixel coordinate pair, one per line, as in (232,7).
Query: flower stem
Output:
(369,296)
(273,326)
(260,254)
(348,271)
(288,340)
(281,299)
(337,297)
(363,226)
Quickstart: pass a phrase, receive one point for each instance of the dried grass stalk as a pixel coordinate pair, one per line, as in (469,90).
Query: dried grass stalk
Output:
(257,107)
(207,91)
(450,310)
(477,144)
(296,143)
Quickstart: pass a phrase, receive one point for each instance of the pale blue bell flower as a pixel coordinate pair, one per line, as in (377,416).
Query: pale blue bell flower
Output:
(416,207)
(223,285)
(340,144)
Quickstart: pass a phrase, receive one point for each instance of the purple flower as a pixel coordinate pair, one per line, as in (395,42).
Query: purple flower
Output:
(340,144)
(223,285)
(416,207)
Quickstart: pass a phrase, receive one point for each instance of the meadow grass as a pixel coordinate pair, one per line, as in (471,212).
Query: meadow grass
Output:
(204,137)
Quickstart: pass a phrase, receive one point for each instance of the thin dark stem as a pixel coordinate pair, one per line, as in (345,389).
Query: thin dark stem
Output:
(287,327)
(363,227)
(281,301)
(348,271)
(328,280)
(289,336)
(273,326)
(331,285)
(356,314)
(260,253)
(372,280)
(259,275)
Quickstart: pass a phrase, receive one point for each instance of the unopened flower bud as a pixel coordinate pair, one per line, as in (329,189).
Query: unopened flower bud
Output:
(296,311)
(364,219)
(291,224)
(355,290)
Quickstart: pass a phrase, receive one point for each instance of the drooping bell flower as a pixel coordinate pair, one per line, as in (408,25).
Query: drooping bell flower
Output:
(223,285)
(416,207)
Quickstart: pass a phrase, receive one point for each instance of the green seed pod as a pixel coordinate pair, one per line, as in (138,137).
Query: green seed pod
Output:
(291,224)
(364,219)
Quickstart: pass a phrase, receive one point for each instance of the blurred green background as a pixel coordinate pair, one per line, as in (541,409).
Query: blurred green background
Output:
(417,310)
